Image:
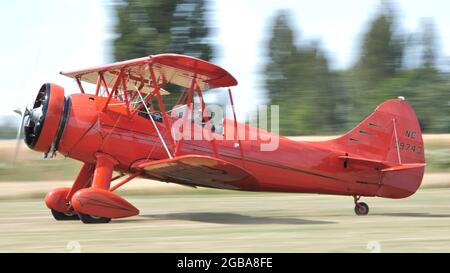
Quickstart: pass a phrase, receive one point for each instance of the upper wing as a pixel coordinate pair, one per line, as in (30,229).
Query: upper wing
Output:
(173,68)
(197,170)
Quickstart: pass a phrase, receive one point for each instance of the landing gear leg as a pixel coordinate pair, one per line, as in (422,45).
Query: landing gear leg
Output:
(101,180)
(361,208)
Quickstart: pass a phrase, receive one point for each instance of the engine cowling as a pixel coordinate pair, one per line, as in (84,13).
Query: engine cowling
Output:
(44,121)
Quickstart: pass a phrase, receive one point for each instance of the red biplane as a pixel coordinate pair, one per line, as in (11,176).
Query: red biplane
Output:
(125,127)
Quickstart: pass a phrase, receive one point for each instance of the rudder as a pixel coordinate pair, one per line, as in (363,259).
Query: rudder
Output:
(390,134)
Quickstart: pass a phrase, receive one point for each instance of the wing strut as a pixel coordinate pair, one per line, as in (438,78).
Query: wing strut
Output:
(236,133)
(154,124)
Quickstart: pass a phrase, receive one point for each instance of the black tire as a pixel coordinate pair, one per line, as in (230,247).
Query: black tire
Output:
(60,216)
(88,219)
(361,209)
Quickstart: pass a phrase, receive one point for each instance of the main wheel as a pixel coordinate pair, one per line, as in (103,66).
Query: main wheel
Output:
(361,209)
(60,216)
(90,219)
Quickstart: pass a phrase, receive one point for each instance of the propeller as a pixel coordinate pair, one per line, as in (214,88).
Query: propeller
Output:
(23,114)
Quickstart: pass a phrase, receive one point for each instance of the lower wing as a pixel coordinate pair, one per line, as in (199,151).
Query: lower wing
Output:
(198,170)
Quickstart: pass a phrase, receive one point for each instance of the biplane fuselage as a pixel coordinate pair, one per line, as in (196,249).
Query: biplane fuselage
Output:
(383,156)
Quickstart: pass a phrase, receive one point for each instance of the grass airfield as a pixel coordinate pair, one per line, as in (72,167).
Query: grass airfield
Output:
(217,221)
(180,219)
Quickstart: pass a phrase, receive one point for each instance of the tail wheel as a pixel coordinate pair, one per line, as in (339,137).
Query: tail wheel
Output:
(90,219)
(60,216)
(361,209)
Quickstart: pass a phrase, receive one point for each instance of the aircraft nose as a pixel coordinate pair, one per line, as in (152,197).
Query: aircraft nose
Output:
(41,123)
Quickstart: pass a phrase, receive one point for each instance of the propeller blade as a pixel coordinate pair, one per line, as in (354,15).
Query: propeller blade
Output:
(18,111)
(23,114)
(25,111)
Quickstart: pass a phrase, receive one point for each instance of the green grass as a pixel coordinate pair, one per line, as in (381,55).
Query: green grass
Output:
(8,132)
(31,167)
(40,170)
(438,159)
(239,222)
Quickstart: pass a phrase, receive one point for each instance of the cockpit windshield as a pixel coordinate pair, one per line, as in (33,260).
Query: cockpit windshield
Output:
(211,117)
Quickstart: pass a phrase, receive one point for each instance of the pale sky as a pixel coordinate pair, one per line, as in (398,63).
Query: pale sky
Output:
(41,38)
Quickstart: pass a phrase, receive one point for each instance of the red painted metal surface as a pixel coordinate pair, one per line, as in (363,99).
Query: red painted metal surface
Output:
(382,156)
(102,203)
(57,199)
(199,170)
(104,168)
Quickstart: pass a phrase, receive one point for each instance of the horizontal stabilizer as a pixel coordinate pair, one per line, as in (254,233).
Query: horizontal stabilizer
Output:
(366,161)
(404,167)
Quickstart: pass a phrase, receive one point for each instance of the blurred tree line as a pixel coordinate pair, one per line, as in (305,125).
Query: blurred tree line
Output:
(313,98)
(8,127)
(147,27)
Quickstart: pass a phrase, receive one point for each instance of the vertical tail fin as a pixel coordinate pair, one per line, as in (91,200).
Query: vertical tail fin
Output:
(390,134)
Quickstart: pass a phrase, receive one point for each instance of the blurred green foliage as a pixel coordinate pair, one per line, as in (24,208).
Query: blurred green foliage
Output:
(438,160)
(314,99)
(146,27)
(298,79)
(8,132)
